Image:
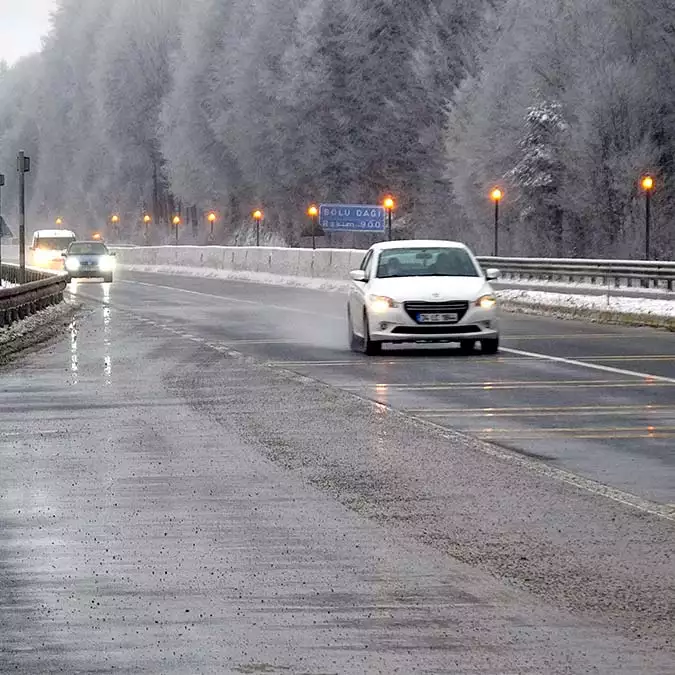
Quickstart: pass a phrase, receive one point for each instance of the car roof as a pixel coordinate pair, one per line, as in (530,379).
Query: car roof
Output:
(54,233)
(89,241)
(418,243)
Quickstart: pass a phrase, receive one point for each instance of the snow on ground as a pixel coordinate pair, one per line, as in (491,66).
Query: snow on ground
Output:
(6,284)
(576,286)
(600,303)
(36,327)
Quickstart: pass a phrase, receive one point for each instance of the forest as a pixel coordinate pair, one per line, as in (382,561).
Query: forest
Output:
(165,107)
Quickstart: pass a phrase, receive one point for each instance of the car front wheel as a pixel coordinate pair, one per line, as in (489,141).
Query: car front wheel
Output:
(490,345)
(370,347)
(355,342)
(467,346)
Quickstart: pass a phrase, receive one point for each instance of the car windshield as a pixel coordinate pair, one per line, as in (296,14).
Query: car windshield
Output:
(88,248)
(52,243)
(425,262)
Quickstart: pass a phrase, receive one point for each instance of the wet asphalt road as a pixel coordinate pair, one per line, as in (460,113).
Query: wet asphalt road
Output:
(197,478)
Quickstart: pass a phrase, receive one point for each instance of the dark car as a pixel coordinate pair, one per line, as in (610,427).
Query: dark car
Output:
(89,259)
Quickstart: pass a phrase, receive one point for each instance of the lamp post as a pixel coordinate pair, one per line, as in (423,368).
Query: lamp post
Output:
(115,220)
(176,223)
(647,184)
(59,222)
(146,221)
(313,213)
(257,216)
(212,221)
(496,195)
(389,206)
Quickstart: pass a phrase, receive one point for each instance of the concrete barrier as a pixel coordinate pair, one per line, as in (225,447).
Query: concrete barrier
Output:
(329,264)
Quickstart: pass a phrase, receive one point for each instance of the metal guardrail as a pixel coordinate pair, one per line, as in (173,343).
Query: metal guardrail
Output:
(617,273)
(40,290)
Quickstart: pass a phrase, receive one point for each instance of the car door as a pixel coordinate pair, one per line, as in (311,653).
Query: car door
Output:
(358,289)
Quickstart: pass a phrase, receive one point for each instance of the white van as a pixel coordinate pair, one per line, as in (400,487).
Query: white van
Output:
(48,247)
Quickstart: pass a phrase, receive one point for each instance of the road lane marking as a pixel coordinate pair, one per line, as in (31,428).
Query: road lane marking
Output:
(570,336)
(579,435)
(591,366)
(558,408)
(507,385)
(640,357)
(547,413)
(570,430)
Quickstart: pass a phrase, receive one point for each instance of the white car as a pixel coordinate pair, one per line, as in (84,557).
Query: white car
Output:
(48,247)
(422,291)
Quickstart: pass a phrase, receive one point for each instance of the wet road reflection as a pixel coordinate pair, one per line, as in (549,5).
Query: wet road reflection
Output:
(107,341)
(100,293)
(73,352)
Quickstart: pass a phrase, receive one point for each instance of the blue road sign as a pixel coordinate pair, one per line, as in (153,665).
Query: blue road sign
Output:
(351,218)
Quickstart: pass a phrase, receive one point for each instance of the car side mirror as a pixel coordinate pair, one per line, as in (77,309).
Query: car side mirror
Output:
(358,275)
(492,273)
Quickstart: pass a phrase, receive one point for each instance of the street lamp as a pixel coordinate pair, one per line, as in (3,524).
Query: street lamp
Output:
(59,222)
(313,212)
(389,205)
(647,184)
(212,220)
(496,195)
(146,221)
(176,223)
(257,216)
(115,219)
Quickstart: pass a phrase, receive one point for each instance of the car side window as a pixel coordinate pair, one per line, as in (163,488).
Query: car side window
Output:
(366,264)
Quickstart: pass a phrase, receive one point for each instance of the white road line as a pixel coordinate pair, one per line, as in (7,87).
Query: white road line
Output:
(591,366)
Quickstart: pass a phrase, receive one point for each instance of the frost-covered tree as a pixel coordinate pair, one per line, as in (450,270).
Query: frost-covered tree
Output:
(539,174)
(609,66)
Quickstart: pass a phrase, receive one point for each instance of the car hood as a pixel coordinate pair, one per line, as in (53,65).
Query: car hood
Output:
(430,289)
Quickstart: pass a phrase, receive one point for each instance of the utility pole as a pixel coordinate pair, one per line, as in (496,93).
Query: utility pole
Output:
(23,167)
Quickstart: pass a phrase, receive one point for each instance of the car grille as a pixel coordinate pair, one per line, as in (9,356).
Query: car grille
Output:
(458,307)
(436,330)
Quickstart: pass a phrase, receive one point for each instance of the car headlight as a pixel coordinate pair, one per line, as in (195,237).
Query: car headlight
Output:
(381,303)
(41,256)
(72,264)
(106,263)
(486,302)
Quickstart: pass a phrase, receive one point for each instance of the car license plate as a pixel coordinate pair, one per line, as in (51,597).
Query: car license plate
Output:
(438,318)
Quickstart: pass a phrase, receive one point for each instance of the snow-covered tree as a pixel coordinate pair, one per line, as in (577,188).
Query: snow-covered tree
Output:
(539,174)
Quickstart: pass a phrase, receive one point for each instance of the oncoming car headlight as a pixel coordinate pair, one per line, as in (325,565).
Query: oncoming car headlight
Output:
(106,263)
(486,302)
(72,264)
(41,256)
(381,303)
